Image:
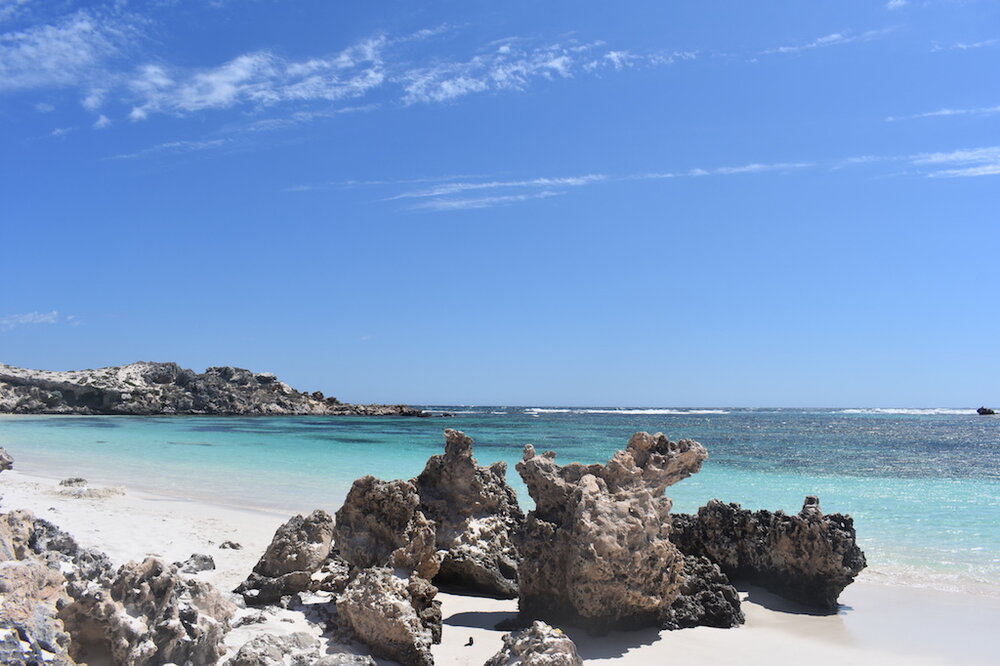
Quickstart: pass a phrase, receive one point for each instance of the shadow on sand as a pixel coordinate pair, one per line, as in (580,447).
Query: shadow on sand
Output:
(773,602)
(478,619)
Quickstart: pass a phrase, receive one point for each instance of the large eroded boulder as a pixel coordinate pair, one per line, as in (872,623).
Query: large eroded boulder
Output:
(596,550)
(476,516)
(395,616)
(298,549)
(148,616)
(380,524)
(810,557)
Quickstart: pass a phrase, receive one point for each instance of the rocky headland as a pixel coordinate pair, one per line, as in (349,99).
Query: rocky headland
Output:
(600,551)
(147,388)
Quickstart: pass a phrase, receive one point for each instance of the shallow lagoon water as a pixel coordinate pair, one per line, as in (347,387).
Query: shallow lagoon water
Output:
(923,485)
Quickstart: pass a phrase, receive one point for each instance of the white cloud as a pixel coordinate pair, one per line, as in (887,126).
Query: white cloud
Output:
(61,54)
(961,163)
(44,107)
(260,79)
(481,202)
(896,4)
(833,39)
(977,111)
(13,321)
(457,188)
(102,122)
(964,46)
(172,147)
(11,8)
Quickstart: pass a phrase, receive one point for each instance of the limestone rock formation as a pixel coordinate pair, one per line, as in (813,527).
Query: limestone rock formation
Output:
(476,516)
(298,649)
(538,645)
(166,388)
(706,598)
(299,548)
(149,615)
(595,551)
(6,461)
(810,557)
(380,525)
(196,563)
(396,616)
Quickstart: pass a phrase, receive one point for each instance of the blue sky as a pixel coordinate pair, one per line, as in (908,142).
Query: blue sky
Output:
(640,203)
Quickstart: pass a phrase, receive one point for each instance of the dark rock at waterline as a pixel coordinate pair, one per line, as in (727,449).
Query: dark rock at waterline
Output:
(985,411)
(6,461)
(809,558)
(166,388)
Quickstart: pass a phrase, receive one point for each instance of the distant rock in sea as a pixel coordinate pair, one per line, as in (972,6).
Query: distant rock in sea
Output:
(146,388)
(985,411)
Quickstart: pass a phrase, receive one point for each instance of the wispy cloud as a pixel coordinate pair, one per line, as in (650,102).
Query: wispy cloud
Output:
(833,39)
(171,148)
(896,4)
(970,162)
(965,46)
(11,322)
(449,204)
(976,111)
(457,188)
(67,53)
(11,8)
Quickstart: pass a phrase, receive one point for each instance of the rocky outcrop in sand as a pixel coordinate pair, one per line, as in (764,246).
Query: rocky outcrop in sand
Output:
(538,645)
(6,461)
(810,557)
(299,649)
(595,551)
(381,525)
(476,517)
(706,598)
(167,388)
(148,615)
(396,616)
(299,548)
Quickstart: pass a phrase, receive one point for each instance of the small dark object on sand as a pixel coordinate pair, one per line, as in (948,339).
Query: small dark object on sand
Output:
(470,642)
(230,545)
(73,482)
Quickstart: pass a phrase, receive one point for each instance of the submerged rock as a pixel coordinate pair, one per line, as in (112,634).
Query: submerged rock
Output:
(476,516)
(810,557)
(299,549)
(395,616)
(538,645)
(595,551)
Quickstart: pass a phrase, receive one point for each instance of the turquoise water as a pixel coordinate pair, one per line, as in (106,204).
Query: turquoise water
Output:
(922,485)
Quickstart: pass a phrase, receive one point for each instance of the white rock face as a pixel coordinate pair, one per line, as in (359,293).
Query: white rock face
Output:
(538,645)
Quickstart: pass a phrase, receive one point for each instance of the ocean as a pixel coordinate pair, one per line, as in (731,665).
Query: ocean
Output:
(923,485)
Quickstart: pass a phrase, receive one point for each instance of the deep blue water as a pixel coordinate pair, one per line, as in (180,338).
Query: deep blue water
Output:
(922,485)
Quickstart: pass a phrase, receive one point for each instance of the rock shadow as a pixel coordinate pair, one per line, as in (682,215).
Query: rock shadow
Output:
(612,645)
(479,619)
(771,601)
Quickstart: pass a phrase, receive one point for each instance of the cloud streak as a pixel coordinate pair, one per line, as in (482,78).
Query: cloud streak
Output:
(172,148)
(833,39)
(966,163)
(11,322)
(977,111)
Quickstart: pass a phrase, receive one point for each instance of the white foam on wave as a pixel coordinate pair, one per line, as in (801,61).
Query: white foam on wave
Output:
(545,410)
(911,412)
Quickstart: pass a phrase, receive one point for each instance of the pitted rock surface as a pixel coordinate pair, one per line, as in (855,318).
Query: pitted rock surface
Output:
(538,645)
(595,551)
(299,548)
(476,516)
(810,557)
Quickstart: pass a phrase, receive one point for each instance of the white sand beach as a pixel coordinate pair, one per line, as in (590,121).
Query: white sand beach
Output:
(879,624)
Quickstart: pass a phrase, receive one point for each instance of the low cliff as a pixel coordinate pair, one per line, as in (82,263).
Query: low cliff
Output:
(166,388)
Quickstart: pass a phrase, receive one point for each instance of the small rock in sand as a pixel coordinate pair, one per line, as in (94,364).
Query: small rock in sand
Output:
(73,482)
(197,562)
(6,461)
(538,645)
(230,545)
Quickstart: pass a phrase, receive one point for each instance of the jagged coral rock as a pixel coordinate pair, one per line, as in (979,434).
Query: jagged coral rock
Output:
(595,551)
(299,548)
(810,557)
(396,616)
(6,461)
(538,645)
(706,598)
(476,516)
(150,615)
(380,525)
